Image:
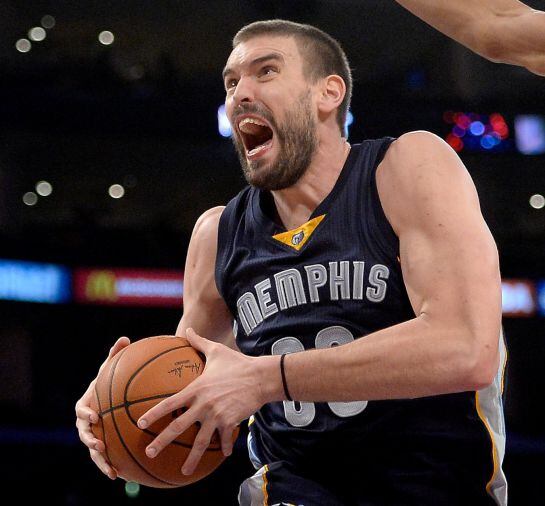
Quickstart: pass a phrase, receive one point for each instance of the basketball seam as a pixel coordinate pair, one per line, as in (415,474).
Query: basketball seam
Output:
(102,421)
(121,438)
(128,403)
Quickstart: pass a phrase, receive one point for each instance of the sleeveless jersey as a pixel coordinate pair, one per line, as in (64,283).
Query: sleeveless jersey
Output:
(334,279)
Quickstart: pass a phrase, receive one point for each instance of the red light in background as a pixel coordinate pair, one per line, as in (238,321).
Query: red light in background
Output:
(455,142)
(501,129)
(462,120)
(496,118)
(468,129)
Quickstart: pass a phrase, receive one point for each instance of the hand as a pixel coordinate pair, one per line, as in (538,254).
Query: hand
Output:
(85,416)
(230,389)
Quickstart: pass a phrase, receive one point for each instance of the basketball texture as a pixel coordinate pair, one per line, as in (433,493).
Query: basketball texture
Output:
(138,377)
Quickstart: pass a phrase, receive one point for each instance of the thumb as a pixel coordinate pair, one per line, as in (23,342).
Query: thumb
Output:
(121,343)
(198,342)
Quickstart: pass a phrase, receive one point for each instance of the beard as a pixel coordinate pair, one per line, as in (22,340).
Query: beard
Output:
(297,142)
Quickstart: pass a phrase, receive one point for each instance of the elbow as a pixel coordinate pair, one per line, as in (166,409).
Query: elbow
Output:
(491,46)
(489,38)
(483,375)
(537,66)
(481,367)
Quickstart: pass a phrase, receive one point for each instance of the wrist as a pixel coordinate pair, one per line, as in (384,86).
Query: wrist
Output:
(269,378)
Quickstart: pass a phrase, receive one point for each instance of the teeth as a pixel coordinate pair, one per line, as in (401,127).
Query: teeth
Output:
(259,148)
(245,121)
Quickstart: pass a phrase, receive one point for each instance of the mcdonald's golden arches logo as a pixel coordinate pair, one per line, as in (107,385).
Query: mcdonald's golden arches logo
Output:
(100,285)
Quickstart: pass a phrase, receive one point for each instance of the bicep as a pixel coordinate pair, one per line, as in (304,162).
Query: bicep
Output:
(204,308)
(448,257)
(452,272)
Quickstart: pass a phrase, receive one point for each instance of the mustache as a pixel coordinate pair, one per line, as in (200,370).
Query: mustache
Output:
(257,109)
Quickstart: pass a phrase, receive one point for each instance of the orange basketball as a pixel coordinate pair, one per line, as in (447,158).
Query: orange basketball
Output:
(138,377)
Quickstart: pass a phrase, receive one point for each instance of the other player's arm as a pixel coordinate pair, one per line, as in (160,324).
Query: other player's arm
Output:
(204,308)
(450,268)
(505,31)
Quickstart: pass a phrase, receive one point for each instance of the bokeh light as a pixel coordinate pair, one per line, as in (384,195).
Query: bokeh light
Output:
(23,45)
(106,37)
(116,191)
(455,142)
(44,188)
(30,198)
(537,201)
(36,34)
(132,489)
(48,21)
(224,126)
(480,132)
(476,128)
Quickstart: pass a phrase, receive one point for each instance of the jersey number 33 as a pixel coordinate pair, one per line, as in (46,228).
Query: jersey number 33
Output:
(301,414)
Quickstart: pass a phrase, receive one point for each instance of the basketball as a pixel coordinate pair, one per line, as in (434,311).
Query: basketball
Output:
(133,381)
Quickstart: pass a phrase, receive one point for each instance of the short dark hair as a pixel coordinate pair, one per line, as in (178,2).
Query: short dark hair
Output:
(322,54)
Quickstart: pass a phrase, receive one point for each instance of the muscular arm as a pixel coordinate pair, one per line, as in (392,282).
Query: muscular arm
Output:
(204,309)
(450,268)
(505,31)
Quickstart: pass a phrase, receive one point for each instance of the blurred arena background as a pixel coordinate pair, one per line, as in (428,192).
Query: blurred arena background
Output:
(112,143)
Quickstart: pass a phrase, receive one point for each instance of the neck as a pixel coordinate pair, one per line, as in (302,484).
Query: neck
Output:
(296,203)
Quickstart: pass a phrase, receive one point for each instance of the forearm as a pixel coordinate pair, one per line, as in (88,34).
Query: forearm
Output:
(218,328)
(520,40)
(411,359)
(454,19)
(506,31)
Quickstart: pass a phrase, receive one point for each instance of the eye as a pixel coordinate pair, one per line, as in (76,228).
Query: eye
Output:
(230,83)
(268,70)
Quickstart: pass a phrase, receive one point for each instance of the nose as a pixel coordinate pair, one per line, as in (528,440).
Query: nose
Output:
(244,91)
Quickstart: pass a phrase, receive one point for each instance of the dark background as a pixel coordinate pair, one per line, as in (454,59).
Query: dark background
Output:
(143,112)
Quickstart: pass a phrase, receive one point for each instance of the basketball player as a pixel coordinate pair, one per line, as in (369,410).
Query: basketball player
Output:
(365,292)
(505,31)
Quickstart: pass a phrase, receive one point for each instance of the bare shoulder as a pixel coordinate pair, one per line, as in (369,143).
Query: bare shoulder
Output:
(208,222)
(413,151)
(203,244)
(204,308)
(418,170)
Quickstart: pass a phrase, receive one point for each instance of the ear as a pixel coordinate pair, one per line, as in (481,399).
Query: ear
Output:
(332,91)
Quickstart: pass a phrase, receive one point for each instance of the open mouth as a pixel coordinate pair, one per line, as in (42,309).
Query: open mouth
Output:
(256,135)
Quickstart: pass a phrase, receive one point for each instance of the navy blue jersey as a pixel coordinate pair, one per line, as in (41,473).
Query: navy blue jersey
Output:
(334,279)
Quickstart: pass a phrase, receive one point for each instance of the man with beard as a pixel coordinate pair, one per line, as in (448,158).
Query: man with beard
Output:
(362,286)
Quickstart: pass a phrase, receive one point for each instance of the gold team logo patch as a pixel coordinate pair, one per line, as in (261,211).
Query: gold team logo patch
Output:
(299,236)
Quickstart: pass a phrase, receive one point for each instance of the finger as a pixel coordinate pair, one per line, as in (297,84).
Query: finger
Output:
(170,433)
(86,413)
(201,443)
(89,440)
(103,465)
(87,437)
(121,343)
(165,407)
(198,342)
(226,436)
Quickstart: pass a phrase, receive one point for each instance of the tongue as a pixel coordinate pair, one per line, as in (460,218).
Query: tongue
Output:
(266,144)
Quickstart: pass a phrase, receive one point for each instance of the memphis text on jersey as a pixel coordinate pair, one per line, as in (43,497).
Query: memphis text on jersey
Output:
(342,280)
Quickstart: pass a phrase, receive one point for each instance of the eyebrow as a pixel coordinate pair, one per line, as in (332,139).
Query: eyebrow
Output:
(271,56)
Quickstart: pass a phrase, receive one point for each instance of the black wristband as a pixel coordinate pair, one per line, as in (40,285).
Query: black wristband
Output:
(286,391)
